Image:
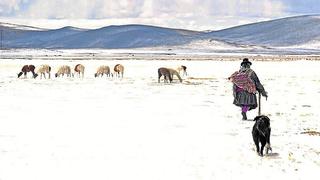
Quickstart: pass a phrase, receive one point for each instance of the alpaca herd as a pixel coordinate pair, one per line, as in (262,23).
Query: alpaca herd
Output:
(79,69)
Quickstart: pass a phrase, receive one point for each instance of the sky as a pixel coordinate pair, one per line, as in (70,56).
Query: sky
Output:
(185,14)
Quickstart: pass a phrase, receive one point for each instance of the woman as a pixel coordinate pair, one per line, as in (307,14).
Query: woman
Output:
(245,85)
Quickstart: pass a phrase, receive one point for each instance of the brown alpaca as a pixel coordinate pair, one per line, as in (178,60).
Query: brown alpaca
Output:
(102,70)
(79,68)
(174,72)
(27,68)
(118,69)
(64,70)
(43,69)
(165,73)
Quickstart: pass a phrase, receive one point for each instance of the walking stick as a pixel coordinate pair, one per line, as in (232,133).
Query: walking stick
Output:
(259,111)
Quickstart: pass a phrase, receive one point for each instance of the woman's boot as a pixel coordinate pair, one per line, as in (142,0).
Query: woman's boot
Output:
(244,116)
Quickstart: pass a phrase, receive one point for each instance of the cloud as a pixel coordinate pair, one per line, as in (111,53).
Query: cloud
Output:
(83,9)
(8,7)
(192,14)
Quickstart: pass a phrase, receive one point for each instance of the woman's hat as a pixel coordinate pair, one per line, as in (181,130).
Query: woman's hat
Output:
(246,61)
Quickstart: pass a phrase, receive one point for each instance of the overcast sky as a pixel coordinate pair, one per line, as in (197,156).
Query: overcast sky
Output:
(187,14)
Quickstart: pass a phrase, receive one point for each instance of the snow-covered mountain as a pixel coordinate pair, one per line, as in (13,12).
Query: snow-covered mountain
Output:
(35,38)
(291,31)
(301,32)
(125,36)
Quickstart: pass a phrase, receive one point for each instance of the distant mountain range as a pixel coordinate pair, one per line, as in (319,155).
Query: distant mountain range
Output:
(286,32)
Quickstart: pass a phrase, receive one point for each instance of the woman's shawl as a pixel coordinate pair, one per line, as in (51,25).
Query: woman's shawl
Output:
(243,80)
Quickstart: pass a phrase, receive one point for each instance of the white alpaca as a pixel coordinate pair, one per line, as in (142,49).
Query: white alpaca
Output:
(79,68)
(43,69)
(102,70)
(64,70)
(174,72)
(118,69)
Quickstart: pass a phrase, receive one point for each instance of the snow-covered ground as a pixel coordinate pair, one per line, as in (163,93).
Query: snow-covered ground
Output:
(136,128)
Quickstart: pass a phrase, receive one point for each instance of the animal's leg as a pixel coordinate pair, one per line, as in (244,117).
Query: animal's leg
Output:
(165,78)
(256,142)
(263,143)
(170,79)
(268,135)
(268,146)
(49,75)
(25,75)
(44,75)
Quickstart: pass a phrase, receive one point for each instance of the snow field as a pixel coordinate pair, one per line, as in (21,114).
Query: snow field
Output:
(136,128)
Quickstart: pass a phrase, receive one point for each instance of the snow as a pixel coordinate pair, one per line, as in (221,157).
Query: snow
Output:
(314,44)
(20,27)
(136,128)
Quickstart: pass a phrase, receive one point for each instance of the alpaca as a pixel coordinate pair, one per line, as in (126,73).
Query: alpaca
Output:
(79,68)
(64,70)
(183,69)
(102,70)
(118,69)
(174,72)
(43,69)
(165,73)
(27,68)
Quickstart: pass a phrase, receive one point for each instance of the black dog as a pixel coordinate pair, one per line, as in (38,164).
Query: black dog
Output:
(261,133)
